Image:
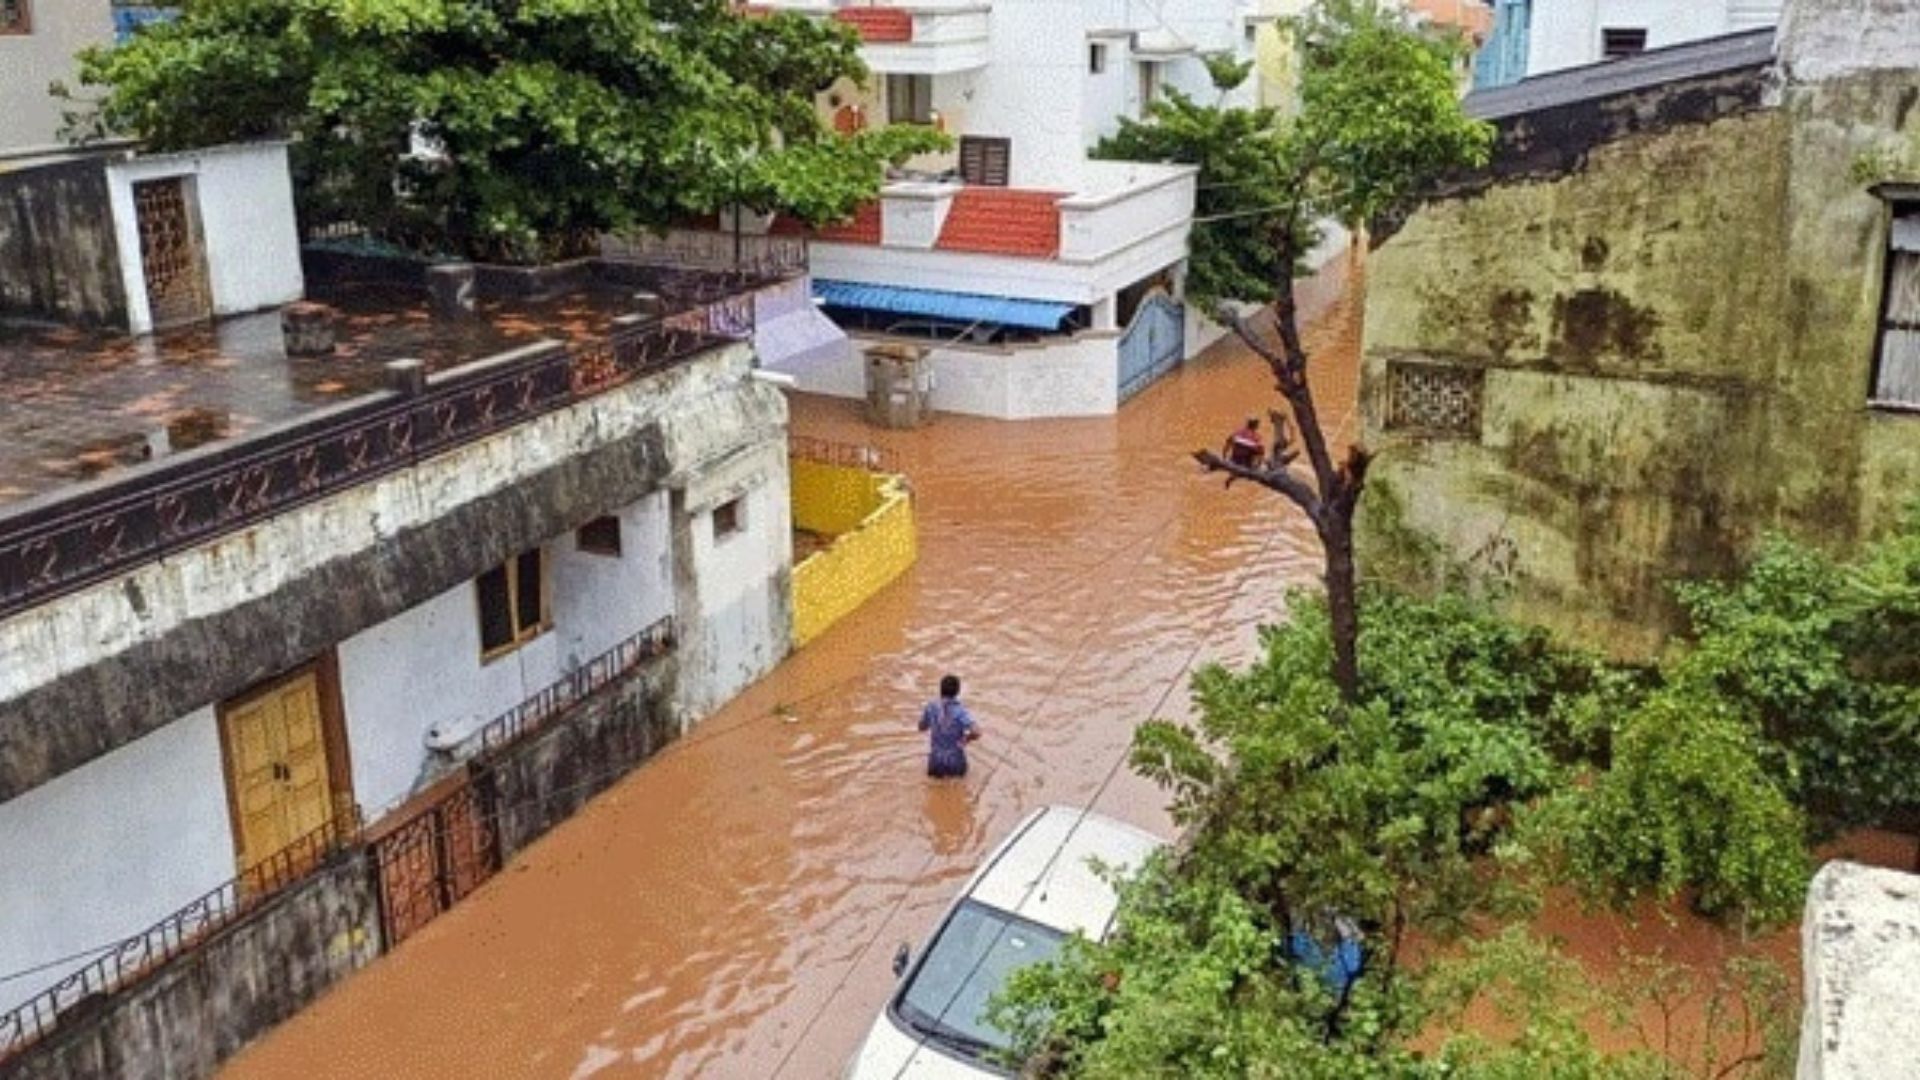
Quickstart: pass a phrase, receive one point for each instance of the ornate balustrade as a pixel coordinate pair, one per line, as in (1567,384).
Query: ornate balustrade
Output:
(73,538)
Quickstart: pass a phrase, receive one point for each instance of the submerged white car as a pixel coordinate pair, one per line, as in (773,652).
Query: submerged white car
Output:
(1037,889)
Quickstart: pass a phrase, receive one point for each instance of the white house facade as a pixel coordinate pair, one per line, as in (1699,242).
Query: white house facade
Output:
(1017,265)
(1569,33)
(348,624)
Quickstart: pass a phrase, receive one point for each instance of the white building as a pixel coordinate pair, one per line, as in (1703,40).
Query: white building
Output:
(1024,267)
(1568,33)
(311,592)
(38,41)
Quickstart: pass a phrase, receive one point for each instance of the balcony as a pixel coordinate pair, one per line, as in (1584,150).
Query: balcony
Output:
(1123,222)
(907,39)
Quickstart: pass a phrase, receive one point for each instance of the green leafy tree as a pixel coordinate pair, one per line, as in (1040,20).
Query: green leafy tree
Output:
(1819,659)
(1379,119)
(1417,813)
(545,122)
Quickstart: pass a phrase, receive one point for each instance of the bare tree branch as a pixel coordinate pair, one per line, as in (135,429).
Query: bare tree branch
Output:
(1278,479)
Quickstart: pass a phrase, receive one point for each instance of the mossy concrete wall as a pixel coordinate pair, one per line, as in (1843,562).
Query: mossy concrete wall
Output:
(1676,328)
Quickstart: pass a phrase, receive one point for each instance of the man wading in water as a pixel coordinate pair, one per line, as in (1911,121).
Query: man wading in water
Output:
(950,729)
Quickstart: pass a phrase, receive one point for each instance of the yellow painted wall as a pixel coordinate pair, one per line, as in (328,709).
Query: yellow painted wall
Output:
(870,517)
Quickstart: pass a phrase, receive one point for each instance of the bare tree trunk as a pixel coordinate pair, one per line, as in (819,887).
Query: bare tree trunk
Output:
(1343,609)
(1329,500)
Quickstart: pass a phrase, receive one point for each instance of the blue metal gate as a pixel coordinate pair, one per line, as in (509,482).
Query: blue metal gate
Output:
(1153,344)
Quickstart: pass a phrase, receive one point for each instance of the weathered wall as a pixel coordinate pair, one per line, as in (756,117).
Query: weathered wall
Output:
(244,197)
(735,590)
(203,1006)
(1675,325)
(95,669)
(551,774)
(1860,954)
(153,812)
(1626,374)
(424,668)
(870,517)
(58,256)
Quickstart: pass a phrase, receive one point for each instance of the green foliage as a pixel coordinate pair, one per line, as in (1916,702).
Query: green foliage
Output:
(1820,659)
(556,119)
(1479,761)
(1687,804)
(1382,813)
(1379,119)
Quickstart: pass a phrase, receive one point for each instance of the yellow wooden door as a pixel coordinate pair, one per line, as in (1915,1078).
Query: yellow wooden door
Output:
(278,757)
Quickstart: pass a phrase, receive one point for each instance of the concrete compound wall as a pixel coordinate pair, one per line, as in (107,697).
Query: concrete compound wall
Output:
(244,196)
(151,815)
(1860,957)
(547,777)
(870,518)
(58,252)
(1076,376)
(1674,324)
(200,1008)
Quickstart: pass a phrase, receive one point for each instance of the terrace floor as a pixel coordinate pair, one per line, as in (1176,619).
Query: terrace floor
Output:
(75,404)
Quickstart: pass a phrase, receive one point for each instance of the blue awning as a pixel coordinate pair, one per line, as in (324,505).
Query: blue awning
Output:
(934,304)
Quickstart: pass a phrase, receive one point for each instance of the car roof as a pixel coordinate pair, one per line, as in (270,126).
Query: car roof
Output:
(1042,872)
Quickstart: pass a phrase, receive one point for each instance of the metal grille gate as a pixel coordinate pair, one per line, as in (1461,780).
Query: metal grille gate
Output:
(170,253)
(435,858)
(1154,343)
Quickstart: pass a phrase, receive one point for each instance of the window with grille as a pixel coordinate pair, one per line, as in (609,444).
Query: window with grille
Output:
(16,16)
(1434,399)
(910,99)
(1896,376)
(1620,41)
(513,604)
(985,160)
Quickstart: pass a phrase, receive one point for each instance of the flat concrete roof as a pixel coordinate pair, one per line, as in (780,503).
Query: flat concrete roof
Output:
(1655,67)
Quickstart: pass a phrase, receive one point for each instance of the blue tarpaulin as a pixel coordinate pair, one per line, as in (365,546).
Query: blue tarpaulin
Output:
(933,304)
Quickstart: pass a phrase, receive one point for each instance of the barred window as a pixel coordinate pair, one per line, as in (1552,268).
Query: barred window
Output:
(1434,399)
(16,16)
(1896,377)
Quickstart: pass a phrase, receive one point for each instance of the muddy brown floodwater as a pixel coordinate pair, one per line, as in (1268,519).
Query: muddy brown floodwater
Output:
(729,909)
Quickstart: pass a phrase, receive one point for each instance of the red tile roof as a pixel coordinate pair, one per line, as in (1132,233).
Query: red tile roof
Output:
(863,228)
(878,24)
(1003,221)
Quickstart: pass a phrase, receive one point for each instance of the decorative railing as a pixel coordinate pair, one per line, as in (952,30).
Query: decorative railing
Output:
(119,966)
(706,249)
(421,865)
(56,545)
(875,459)
(577,685)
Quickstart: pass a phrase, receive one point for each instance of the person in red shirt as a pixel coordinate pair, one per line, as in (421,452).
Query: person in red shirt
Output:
(1245,448)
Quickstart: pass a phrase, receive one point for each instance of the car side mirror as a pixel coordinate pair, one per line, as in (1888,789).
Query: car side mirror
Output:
(901,957)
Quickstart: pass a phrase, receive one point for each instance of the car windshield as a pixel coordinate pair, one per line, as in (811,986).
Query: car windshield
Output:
(946,1001)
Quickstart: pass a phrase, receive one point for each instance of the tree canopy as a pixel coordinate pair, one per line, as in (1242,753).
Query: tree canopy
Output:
(502,130)
(1379,118)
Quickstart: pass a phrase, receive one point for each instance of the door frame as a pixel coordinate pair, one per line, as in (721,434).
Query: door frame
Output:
(189,184)
(325,669)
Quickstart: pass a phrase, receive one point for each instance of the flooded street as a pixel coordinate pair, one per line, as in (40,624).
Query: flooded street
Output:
(730,909)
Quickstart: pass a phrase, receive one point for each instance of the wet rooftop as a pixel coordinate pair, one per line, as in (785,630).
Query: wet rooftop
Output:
(76,404)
